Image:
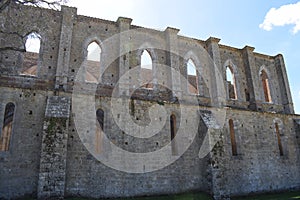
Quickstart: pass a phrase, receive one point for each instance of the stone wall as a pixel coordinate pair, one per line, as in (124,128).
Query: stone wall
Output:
(20,165)
(89,177)
(48,157)
(258,165)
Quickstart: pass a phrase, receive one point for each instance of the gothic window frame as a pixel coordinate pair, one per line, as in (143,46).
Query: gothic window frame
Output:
(87,43)
(265,85)
(99,131)
(5,142)
(190,55)
(150,50)
(29,71)
(229,65)
(148,86)
(234,151)
(173,132)
(279,134)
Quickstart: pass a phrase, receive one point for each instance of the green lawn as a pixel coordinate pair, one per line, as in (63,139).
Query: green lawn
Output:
(192,196)
(201,196)
(281,196)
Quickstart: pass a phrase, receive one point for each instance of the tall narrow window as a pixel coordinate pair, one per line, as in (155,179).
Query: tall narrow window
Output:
(173,134)
(192,77)
(7,126)
(92,65)
(31,56)
(266,87)
(279,139)
(230,80)
(146,70)
(99,130)
(232,138)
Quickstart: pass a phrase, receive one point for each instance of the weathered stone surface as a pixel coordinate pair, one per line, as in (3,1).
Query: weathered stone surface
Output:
(53,158)
(58,107)
(48,156)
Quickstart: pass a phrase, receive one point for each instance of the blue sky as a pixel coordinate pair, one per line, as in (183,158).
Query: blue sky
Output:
(235,22)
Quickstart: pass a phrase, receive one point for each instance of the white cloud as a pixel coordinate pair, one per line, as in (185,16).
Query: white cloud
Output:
(285,15)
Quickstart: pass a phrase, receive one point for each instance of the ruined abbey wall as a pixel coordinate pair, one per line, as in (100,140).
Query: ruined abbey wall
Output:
(47,155)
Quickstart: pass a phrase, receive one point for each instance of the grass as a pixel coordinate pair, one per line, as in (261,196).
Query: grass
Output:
(189,196)
(202,196)
(279,196)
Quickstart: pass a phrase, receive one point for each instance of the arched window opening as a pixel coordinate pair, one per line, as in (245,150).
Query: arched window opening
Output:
(7,127)
(92,66)
(279,139)
(146,70)
(31,56)
(266,87)
(232,138)
(173,134)
(231,85)
(99,130)
(192,77)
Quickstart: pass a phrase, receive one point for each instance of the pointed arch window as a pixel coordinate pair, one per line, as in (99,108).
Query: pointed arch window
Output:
(31,56)
(266,87)
(92,66)
(231,82)
(146,70)
(192,77)
(7,127)
(99,130)
(279,139)
(173,134)
(232,138)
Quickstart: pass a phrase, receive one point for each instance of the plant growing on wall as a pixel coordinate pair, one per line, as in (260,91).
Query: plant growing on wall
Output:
(54,4)
(4,33)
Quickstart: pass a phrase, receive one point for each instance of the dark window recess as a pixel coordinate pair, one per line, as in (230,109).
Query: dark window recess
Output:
(7,127)
(279,139)
(232,138)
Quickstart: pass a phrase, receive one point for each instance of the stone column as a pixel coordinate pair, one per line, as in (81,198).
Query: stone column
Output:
(213,145)
(53,159)
(124,59)
(218,89)
(64,51)
(173,59)
(286,97)
(250,71)
(218,95)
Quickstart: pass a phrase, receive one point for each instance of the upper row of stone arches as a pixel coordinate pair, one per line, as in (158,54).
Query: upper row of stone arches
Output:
(66,33)
(233,83)
(194,86)
(147,60)
(93,51)
(193,75)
